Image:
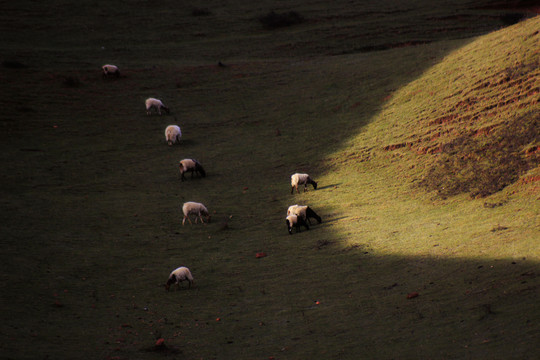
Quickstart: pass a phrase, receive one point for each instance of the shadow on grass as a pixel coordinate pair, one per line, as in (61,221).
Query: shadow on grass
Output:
(328,186)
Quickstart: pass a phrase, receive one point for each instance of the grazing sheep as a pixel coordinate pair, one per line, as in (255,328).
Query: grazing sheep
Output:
(173,134)
(179,275)
(197,209)
(191,165)
(301,179)
(305,212)
(156,104)
(296,221)
(110,70)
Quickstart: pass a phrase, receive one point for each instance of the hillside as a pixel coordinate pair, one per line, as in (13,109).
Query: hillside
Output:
(482,105)
(394,108)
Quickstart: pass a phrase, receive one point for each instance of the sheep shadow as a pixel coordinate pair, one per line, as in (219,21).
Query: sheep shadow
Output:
(328,186)
(197,177)
(332,220)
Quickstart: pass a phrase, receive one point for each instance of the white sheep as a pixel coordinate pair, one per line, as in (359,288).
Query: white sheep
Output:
(296,221)
(173,134)
(110,70)
(179,275)
(196,209)
(191,165)
(156,104)
(301,179)
(303,211)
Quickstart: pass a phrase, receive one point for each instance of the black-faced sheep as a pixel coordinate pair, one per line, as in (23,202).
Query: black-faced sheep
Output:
(173,134)
(179,275)
(191,165)
(305,212)
(110,70)
(296,221)
(301,179)
(197,209)
(156,104)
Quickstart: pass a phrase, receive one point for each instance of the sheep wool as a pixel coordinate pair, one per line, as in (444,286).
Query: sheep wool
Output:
(177,276)
(301,179)
(305,212)
(156,104)
(296,221)
(173,134)
(197,209)
(110,70)
(191,165)
(293,210)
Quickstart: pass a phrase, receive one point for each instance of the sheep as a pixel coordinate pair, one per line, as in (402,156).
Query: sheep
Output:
(110,70)
(152,103)
(195,208)
(191,165)
(179,275)
(301,179)
(173,134)
(303,211)
(296,221)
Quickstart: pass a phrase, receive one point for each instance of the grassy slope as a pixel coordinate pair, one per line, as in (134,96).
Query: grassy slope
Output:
(410,120)
(93,202)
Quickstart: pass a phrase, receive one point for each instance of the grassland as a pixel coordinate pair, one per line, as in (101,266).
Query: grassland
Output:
(365,97)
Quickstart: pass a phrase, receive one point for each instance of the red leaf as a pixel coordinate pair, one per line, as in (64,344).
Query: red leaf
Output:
(160,342)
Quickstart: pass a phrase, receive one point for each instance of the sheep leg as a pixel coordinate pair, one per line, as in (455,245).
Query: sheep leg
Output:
(186,217)
(202,221)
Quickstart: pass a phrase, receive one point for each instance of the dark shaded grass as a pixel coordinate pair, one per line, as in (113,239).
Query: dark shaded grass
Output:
(274,20)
